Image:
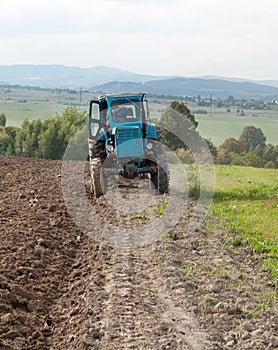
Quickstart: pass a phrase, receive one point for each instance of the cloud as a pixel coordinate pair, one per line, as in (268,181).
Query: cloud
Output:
(151,36)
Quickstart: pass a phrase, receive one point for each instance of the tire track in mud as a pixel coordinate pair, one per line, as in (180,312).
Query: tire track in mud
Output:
(123,303)
(137,313)
(182,291)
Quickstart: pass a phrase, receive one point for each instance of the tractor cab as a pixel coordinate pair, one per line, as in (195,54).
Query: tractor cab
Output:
(121,121)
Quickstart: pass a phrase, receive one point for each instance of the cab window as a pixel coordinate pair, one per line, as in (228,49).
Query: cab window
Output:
(125,111)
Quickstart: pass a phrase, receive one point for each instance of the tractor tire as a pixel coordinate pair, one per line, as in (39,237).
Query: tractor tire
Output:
(163,175)
(98,182)
(97,149)
(161,178)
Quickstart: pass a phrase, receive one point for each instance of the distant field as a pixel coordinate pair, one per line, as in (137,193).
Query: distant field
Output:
(220,124)
(15,112)
(18,104)
(217,124)
(220,127)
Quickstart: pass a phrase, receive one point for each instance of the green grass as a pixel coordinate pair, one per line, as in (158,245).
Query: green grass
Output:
(246,199)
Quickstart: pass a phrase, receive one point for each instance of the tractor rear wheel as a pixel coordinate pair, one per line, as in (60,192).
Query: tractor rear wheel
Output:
(163,175)
(161,178)
(98,182)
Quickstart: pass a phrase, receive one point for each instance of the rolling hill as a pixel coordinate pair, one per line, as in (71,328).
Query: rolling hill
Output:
(111,79)
(193,87)
(59,76)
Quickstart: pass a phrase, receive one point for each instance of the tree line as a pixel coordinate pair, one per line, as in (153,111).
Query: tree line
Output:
(49,138)
(41,139)
(250,149)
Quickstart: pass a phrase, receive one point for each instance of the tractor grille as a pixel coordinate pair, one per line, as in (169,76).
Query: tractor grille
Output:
(128,133)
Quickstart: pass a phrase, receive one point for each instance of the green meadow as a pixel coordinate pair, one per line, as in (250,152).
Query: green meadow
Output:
(18,104)
(218,124)
(15,112)
(246,201)
(219,127)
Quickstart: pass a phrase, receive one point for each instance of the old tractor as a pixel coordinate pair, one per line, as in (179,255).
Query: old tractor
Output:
(123,141)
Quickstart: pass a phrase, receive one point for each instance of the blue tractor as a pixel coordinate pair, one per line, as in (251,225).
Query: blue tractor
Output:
(122,141)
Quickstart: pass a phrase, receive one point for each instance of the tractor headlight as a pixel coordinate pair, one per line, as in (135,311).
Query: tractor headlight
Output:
(110,148)
(149,146)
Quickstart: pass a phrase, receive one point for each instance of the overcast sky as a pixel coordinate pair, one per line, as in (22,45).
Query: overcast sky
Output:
(235,38)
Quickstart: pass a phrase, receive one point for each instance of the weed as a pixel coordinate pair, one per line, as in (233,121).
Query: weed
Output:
(105,268)
(187,268)
(156,261)
(162,207)
(205,303)
(217,271)
(141,217)
(163,236)
(159,211)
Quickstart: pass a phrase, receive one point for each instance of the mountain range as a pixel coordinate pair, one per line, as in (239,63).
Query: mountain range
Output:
(109,80)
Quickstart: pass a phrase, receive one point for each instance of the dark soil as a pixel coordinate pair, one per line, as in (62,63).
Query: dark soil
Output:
(60,289)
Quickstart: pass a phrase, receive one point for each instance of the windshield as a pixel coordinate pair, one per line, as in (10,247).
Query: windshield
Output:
(125,110)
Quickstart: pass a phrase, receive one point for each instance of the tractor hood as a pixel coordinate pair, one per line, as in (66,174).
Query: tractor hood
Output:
(128,141)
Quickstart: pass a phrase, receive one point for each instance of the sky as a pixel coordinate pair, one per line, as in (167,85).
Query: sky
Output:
(189,38)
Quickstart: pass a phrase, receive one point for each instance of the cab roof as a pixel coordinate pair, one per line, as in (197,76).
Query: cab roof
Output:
(129,94)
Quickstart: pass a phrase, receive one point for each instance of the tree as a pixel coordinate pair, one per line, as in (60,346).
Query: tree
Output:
(253,160)
(4,141)
(270,156)
(219,104)
(232,145)
(177,118)
(212,147)
(3,119)
(24,143)
(230,101)
(69,122)
(223,156)
(49,141)
(7,140)
(252,137)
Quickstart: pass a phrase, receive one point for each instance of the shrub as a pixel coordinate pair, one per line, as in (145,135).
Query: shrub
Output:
(185,156)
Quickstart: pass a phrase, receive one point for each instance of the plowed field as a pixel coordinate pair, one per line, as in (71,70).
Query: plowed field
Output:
(60,289)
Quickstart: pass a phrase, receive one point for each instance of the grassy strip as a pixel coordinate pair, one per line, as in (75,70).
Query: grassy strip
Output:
(246,199)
